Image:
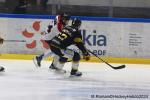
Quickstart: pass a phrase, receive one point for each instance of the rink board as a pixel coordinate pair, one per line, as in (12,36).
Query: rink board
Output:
(124,39)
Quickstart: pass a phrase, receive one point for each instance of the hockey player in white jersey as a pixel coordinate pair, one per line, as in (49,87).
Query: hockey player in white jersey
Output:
(52,30)
(1,42)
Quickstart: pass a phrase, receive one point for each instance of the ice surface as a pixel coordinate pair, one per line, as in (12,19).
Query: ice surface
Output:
(23,81)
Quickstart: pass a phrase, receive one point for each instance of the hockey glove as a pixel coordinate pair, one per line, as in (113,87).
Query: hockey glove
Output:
(86,56)
(1,40)
(49,28)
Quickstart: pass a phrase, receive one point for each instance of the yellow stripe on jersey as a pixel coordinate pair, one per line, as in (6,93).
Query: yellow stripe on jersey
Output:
(77,40)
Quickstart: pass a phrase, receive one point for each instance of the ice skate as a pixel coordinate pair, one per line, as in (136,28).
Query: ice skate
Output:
(37,61)
(2,69)
(75,73)
(52,66)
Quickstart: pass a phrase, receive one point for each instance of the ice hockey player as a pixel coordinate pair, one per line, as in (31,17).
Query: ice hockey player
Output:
(70,35)
(52,30)
(1,42)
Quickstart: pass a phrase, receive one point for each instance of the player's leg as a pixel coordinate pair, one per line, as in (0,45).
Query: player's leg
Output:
(75,65)
(54,62)
(63,57)
(61,61)
(60,64)
(37,60)
(69,53)
(75,56)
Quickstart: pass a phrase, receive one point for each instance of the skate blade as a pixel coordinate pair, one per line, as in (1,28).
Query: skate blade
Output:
(74,76)
(60,72)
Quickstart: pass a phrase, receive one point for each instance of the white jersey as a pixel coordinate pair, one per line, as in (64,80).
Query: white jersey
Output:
(50,35)
(56,28)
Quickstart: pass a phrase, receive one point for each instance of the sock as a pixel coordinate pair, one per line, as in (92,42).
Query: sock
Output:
(75,65)
(60,65)
(56,60)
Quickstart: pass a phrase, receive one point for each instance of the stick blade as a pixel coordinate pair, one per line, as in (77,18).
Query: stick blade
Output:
(120,67)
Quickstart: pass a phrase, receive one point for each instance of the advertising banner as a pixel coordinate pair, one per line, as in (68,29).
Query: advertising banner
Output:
(105,38)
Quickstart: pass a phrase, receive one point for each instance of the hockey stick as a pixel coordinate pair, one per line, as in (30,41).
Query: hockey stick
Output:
(14,40)
(118,67)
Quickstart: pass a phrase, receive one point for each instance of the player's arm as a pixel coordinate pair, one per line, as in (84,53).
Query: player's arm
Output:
(80,45)
(49,28)
(58,22)
(1,40)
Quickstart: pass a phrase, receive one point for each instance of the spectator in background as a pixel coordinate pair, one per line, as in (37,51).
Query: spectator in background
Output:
(44,4)
(21,8)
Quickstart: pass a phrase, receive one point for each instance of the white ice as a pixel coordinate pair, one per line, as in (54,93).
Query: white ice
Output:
(23,81)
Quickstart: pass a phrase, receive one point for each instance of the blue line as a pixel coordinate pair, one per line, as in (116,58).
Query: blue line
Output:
(85,18)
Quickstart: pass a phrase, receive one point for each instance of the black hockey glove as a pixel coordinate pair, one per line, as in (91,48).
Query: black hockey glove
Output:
(49,28)
(86,56)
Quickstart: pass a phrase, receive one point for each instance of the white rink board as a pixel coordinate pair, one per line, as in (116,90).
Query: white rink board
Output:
(114,39)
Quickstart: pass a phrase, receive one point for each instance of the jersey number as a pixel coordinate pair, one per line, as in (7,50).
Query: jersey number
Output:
(62,36)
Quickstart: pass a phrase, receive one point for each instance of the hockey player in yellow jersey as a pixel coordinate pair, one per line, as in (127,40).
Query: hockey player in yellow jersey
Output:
(70,35)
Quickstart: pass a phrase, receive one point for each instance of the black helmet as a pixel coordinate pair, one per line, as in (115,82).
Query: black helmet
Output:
(76,22)
(65,16)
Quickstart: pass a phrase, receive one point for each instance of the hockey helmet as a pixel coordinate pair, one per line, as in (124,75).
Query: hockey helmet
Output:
(65,16)
(76,22)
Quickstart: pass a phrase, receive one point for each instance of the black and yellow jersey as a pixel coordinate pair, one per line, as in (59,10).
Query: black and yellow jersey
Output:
(68,36)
